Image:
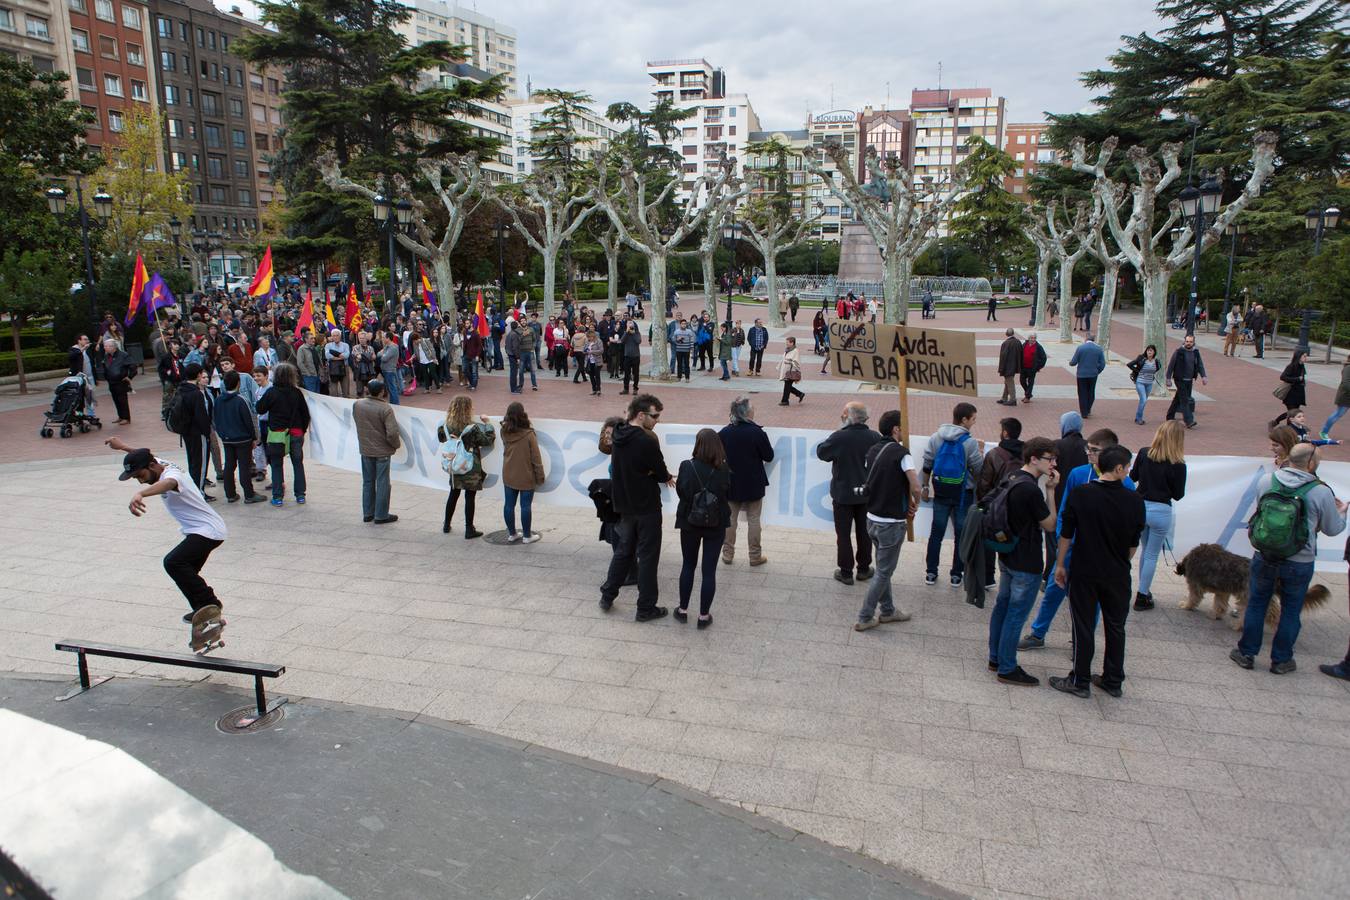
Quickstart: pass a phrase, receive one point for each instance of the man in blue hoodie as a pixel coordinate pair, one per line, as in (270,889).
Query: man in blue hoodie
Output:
(1054,593)
(951,465)
(238,430)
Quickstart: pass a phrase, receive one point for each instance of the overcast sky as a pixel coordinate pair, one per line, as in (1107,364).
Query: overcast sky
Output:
(789,55)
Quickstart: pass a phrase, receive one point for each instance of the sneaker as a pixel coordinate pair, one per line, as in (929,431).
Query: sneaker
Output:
(930,579)
(956,581)
(229,499)
(1325,436)
(1069,686)
(513,538)
(993,665)
(1113,691)
(840,577)
(254,498)
(1241,658)
(1339,670)
(1031,642)
(1020,678)
(866,626)
(367,519)
(727,560)
(896,616)
(606,605)
(300,500)
(530,538)
(472,533)
(649,615)
(758,561)
(387,519)
(277,502)
(865,573)
(209,498)
(1282,668)
(1143,601)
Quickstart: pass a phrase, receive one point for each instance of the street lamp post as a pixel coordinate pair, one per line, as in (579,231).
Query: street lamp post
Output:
(56,202)
(1317,221)
(1198,205)
(1236,230)
(502,229)
(383,211)
(176,229)
(731,234)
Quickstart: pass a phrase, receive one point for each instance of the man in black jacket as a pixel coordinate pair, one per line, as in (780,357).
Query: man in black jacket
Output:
(638,470)
(846,451)
(197,415)
(1257,320)
(892,499)
(118,370)
(1009,367)
(1184,367)
(748,449)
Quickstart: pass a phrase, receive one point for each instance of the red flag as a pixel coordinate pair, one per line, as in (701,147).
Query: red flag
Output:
(353,312)
(481,318)
(139,278)
(306,315)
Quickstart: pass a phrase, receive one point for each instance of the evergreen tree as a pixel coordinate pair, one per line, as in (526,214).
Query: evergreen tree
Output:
(987,219)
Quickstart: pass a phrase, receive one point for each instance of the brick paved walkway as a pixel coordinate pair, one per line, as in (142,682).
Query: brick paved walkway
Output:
(1203,781)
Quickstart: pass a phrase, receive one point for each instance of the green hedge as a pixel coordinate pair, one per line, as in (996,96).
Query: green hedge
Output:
(36,361)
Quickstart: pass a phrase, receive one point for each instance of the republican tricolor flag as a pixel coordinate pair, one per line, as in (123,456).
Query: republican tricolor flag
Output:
(261,288)
(427,293)
(139,279)
(480,319)
(157,296)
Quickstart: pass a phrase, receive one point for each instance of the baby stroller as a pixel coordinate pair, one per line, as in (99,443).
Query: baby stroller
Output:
(72,407)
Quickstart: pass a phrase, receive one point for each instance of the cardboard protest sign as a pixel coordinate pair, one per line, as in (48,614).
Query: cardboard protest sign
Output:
(935,360)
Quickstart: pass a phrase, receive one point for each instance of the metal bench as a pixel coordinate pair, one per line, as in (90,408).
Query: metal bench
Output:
(259,671)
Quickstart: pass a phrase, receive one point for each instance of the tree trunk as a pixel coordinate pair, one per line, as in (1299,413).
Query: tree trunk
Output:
(1042,288)
(1155,318)
(896,275)
(705,257)
(1110,275)
(445,283)
(771,279)
(656,277)
(550,282)
(612,267)
(15,326)
(1066,267)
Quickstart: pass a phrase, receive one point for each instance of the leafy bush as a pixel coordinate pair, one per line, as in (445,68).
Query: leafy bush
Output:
(36,361)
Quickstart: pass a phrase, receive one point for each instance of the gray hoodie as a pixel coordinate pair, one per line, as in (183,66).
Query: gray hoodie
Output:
(974,459)
(1320,504)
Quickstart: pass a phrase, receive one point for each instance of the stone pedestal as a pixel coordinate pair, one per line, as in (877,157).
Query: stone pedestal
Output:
(859,258)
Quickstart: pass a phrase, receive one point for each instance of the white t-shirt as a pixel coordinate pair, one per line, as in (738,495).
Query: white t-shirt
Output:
(188,506)
(906,465)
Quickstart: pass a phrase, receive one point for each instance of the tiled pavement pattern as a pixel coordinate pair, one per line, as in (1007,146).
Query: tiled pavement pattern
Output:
(1203,781)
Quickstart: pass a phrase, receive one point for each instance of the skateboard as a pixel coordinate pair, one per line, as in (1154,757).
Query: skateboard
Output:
(208,630)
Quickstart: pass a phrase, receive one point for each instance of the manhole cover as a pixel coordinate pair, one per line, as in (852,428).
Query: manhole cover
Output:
(498,537)
(245,720)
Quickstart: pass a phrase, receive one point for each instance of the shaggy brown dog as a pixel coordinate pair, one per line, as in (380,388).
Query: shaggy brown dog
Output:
(1210,569)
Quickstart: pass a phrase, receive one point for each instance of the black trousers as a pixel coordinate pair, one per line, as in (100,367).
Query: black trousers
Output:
(453,500)
(700,547)
(198,452)
(239,456)
(119,391)
(630,368)
(1028,380)
(756,360)
(850,522)
(613,359)
(1087,393)
(184,564)
(638,543)
(789,389)
(593,370)
(1182,400)
(1086,595)
(1260,338)
(682,364)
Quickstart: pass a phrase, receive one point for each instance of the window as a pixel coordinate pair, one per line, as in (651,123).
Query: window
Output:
(77,5)
(134,55)
(183,32)
(713,133)
(164,26)
(225,71)
(213,136)
(138,91)
(210,104)
(274,115)
(175,128)
(225,44)
(215,72)
(115,121)
(255,81)
(264,197)
(85,79)
(197,167)
(201,36)
(689,150)
(205,67)
(6,20)
(259,141)
(245,197)
(104,10)
(215,166)
(171,97)
(37,28)
(273,86)
(167,62)
(1017,189)
(107,47)
(79,39)
(92,113)
(189,96)
(236,106)
(112,85)
(238,139)
(1021,139)
(217,194)
(241,168)
(178,160)
(211,39)
(1019,172)
(731,131)
(131,18)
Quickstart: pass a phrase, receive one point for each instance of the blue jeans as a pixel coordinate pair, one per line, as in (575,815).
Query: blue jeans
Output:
(1016,594)
(726,373)
(471,372)
(1157,525)
(1294,578)
(375,487)
(1334,418)
(887,538)
(394,382)
(528,363)
(509,511)
(954,509)
(496,352)
(1142,390)
(1054,596)
(310,383)
(276,459)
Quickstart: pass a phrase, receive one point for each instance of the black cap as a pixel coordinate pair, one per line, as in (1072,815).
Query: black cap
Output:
(134,461)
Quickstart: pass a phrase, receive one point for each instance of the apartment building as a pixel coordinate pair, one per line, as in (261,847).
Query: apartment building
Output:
(114,68)
(761,169)
(1023,143)
(839,127)
(885,130)
(490,45)
(721,122)
(38,32)
(593,133)
(487,119)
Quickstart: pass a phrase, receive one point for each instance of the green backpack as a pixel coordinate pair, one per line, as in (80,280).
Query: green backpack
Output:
(1279,527)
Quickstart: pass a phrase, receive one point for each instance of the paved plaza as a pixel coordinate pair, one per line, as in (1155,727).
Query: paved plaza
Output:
(1203,781)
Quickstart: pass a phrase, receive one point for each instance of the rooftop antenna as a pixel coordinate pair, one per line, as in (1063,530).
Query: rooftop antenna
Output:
(939,74)
(888,96)
(831,95)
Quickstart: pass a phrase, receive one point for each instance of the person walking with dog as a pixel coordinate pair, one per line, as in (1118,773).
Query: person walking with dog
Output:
(1102,522)
(1293,508)
(1159,475)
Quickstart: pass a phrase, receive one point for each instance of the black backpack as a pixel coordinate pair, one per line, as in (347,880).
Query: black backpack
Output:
(705,509)
(994,525)
(178,417)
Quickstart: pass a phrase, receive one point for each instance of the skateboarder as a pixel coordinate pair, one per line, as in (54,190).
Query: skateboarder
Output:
(203,530)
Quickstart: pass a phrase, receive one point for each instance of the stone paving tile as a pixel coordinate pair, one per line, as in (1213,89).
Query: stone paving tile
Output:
(1045,871)
(695,771)
(1223,855)
(1261,819)
(1317,869)
(842,832)
(979,817)
(1131,880)
(948,857)
(1169,771)
(1281,785)
(1072,759)
(868,801)
(551,719)
(1119,735)
(1100,837)
(612,698)
(387,695)
(733,744)
(907,770)
(803,755)
(761,784)
(470,708)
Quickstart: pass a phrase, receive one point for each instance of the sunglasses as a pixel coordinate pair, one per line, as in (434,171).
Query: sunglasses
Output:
(653,415)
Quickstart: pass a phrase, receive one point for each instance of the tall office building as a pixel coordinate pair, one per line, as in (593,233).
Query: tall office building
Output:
(593,133)
(490,45)
(114,66)
(721,122)
(841,128)
(37,31)
(1024,144)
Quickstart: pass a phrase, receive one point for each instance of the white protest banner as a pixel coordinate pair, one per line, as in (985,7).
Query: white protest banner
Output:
(1221,491)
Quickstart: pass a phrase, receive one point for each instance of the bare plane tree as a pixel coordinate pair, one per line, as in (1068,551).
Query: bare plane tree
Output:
(547,205)
(1068,241)
(719,208)
(772,230)
(1045,255)
(1105,251)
